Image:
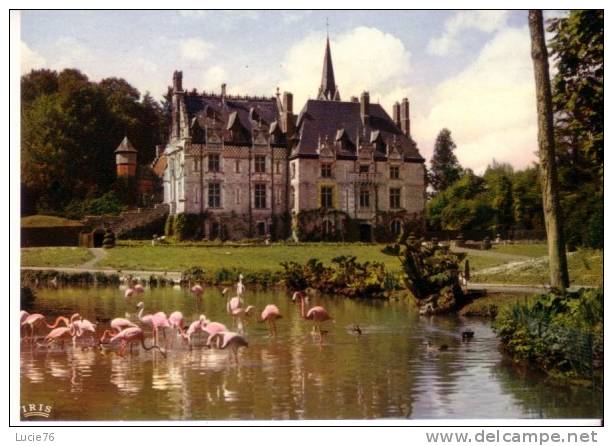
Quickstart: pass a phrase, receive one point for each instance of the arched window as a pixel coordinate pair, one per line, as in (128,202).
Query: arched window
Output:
(396,227)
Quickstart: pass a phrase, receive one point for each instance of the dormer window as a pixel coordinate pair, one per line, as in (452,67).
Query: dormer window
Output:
(394,172)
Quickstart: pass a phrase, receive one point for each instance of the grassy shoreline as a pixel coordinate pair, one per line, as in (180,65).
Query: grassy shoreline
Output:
(586,266)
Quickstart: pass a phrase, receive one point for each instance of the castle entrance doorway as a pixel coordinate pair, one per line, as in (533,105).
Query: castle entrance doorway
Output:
(365,233)
(98,238)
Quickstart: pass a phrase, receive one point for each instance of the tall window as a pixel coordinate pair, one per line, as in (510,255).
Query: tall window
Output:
(326,197)
(214,195)
(196,165)
(237,195)
(213,162)
(394,172)
(394,198)
(260,196)
(293,171)
(278,167)
(237,166)
(260,164)
(364,198)
(326,170)
(364,168)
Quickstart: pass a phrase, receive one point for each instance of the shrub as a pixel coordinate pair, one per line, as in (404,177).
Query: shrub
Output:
(109,239)
(169,225)
(187,227)
(562,335)
(193,274)
(28,296)
(431,273)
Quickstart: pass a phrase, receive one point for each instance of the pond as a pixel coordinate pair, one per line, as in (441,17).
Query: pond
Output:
(386,372)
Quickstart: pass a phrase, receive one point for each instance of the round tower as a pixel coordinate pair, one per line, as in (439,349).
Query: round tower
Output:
(125,159)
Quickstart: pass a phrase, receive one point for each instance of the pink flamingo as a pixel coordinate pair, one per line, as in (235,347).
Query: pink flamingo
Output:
(270,314)
(156,321)
(23,315)
(118,324)
(59,335)
(176,321)
(131,336)
(128,293)
(38,320)
(194,328)
(83,327)
(230,339)
(138,288)
(236,309)
(213,328)
(197,290)
(316,314)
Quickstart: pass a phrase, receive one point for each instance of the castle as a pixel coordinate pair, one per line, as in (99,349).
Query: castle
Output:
(249,167)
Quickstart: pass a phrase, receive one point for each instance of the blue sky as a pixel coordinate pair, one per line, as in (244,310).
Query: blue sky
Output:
(469,71)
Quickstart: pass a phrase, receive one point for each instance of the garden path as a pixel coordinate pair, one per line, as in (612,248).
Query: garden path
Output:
(98,253)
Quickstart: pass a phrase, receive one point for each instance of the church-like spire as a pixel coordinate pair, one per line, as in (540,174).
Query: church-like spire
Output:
(328,89)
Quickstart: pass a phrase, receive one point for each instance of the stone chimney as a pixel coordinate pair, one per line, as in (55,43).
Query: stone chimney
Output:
(177,81)
(177,103)
(405,120)
(354,99)
(396,113)
(364,107)
(288,102)
(223,90)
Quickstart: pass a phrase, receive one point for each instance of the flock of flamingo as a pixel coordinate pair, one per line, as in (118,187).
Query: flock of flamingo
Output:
(125,332)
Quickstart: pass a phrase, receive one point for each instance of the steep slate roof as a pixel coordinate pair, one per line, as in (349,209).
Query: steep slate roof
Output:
(265,108)
(319,120)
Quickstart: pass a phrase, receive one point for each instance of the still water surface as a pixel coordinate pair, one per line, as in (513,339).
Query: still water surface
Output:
(386,372)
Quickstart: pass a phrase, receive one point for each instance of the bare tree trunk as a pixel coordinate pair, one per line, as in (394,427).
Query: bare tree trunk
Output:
(558,270)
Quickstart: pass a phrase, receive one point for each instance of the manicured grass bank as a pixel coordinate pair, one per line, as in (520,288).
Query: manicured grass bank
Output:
(245,258)
(64,256)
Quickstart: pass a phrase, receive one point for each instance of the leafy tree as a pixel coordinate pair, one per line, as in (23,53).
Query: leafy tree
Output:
(70,129)
(578,101)
(444,166)
(577,47)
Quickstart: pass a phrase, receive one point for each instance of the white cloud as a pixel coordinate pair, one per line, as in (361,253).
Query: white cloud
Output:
(30,59)
(364,59)
(195,49)
(485,21)
(489,106)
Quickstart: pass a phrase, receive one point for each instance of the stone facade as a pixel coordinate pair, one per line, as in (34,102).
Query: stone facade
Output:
(249,167)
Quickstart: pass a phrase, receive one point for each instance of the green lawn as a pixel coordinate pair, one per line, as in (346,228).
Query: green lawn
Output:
(585,268)
(523,249)
(56,256)
(585,265)
(243,258)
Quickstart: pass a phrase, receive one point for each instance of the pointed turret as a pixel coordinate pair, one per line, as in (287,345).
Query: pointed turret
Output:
(328,91)
(125,159)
